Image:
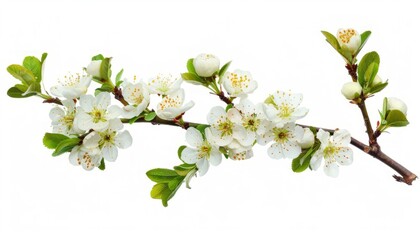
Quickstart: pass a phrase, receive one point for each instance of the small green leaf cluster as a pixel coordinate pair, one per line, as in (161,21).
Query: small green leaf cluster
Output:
(391,117)
(301,162)
(367,72)
(168,181)
(30,76)
(60,143)
(348,56)
(210,82)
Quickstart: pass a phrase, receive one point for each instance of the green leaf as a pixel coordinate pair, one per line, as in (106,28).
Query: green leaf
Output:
(66,146)
(184,169)
(106,87)
(150,116)
(363,37)
(367,60)
(22,74)
(16,92)
(98,57)
(134,119)
(33,89)
(105,70)
(331,39)
(34,65)
(51,140)
(378,87)
(161,175)
(180,149)
(224,69)
(396,118)
(157,190)
(193,78)
(201,128)
(175,183)
(301,162)
(370,73)
(118,78)
(43,57)
(102,166)
(190,66)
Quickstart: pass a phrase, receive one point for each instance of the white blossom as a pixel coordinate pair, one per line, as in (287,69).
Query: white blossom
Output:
(63,119)
(71,86)
(202,152)
(349,39)
(172,106)
(206,64)
(351,90)
(222,127)
(308,139)
(238,83)
(111,139)
(164,84)
(283,107)
(240,155)
(94,68)
(95,112)
(286,141)
(396,104)
(88,154)
(334,152)
(137,95)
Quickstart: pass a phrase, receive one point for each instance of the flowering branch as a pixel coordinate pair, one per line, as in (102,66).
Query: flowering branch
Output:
(90,128)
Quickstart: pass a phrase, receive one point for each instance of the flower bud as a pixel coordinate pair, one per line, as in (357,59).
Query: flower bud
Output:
(206,64)
(308,139)
(396,104)
(349,40)
(377,80)
(94,68)
(351,90)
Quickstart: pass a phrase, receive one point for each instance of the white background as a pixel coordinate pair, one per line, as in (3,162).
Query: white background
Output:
(280,43)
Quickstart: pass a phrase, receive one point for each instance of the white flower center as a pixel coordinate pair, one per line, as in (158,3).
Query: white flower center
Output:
(98,115)
(204,150)
(346,34)
(225,127)
(170,102)
(239,81)
(70,80)
(281,135)
(163,82)
(285,110)
(136,96)
(107,137)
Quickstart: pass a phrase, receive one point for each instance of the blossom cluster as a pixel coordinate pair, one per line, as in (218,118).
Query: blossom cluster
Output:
(235,130)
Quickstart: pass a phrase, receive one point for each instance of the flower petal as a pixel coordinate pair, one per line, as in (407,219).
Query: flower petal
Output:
(114,111)
(123,140)
(215,157)
(203,166)
(316,160)
(341,138)
(331,169)
(344,156)
(103,100)
(194,137)
(91,140)
(56,114)
(234,116)
(216,114)
(115,125)
(83,121)
(87,102)
(291,149)
(110,152)
(189,155)
(275,151)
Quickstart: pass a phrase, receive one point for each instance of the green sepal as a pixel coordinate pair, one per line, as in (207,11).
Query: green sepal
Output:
(105,69)
(98,57)
(102,165)
(223,151)
(180,149)
(22,74)
(223,70)
(66,146)
(395,118)
(193,78)
(229,106)
(364,64)
(184,169)
(190,66)
(106,87)
(118,80)
(150,116)
(202,128)
(52,140)
(161,175)
(379,87)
